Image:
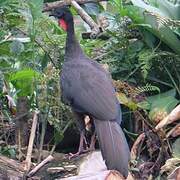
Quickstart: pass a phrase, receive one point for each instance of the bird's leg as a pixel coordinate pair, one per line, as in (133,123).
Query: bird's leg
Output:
(93,137)
(81,148)
(93,142)
(83,143)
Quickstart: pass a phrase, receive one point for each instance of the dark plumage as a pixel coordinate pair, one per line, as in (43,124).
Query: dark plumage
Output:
(88,89)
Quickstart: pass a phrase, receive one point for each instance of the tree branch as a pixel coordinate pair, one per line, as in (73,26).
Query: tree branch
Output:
(52,5)
(36,168)
(31,142)
(94,26)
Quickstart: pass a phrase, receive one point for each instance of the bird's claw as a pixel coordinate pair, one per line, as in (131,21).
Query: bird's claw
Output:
(74,155)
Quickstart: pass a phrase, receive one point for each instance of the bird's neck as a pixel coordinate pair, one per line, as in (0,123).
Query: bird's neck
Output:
(73,49)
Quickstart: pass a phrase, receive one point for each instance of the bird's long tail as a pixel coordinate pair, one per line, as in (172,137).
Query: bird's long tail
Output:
(113,144)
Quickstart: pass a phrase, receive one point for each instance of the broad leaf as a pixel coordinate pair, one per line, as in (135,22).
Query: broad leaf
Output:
(24,81)
(166,101)
(176,148)
(163,32)
(36,8)
(161,7)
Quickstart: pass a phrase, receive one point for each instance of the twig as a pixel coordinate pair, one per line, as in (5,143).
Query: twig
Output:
(174,131)
(172,79)
(44,123)
(134,149)
(36,168)
(144,120)
(175,174)
(31,141)
(156,164)
(95,28)
(53,148)
(52,5)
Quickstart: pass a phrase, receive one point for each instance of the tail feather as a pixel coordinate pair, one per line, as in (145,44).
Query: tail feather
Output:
(113,144)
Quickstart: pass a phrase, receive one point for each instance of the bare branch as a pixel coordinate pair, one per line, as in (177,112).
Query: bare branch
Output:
(31,141)
(135,147)
(95,28)
(172,117)
(48,159)
(52,5)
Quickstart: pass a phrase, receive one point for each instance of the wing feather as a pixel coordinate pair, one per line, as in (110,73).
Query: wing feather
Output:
(95,95)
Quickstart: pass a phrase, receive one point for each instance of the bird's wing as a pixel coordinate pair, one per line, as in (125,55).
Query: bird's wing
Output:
(94,94)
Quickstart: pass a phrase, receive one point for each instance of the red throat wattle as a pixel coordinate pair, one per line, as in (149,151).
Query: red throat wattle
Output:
(63,24)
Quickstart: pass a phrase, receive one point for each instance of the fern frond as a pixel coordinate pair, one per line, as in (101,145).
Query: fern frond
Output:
(165,20)
(147,88)
(144,59)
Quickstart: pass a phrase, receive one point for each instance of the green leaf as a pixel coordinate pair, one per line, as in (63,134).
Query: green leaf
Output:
(8,152)
(142,15)
(5,48)
(24,81)
(144,105)
(171,92)
(176,148)
(1,81)
(23,75)
(123,99)
(36,7)
(58,136)
(91,8)
(117,4)
(149,38)
(12,152)
(136,46)
(161,7)
(166,101)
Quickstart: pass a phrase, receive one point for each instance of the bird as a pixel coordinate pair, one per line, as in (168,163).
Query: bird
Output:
(88,89)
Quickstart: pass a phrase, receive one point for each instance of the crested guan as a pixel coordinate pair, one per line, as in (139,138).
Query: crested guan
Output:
(87,88)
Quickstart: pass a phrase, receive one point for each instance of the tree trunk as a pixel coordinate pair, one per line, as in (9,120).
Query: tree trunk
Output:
(21,121)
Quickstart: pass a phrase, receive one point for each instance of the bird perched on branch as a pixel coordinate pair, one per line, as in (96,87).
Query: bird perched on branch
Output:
(87,88)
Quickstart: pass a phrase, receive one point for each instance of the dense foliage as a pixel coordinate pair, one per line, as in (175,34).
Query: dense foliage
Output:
(142,52)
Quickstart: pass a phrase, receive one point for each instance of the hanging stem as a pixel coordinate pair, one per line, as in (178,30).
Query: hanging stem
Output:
(172,79)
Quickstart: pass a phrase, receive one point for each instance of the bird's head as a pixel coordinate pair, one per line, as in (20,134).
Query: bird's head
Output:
(63,15)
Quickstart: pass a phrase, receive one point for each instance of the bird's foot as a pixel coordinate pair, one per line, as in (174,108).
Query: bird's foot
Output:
(74,155)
